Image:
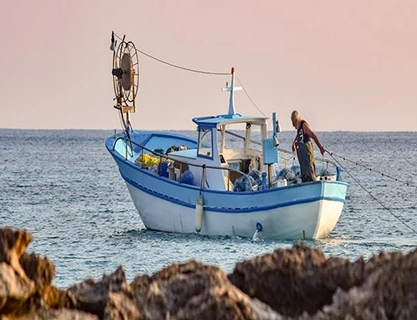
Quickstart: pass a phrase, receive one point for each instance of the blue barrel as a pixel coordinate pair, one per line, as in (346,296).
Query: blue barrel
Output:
(163,169)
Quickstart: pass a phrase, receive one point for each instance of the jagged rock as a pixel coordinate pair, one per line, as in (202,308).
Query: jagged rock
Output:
(25,282)
(296,280)
(194,291)
(40,270)
(12,246)
(389,291)
(93,297)
(298,283)
(56,298)
(120,307)
(15,290)
(52,314)
(15,286)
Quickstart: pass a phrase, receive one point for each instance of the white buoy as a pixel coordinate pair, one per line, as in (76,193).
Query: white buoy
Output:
(198,219)
(259,229)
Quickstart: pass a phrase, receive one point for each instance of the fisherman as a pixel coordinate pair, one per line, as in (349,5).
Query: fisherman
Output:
(302,143)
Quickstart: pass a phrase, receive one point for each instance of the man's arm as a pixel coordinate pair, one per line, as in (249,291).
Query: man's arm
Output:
(307,129)
(294,144)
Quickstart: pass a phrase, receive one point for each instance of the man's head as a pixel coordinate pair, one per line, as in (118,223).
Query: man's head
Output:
(295,119)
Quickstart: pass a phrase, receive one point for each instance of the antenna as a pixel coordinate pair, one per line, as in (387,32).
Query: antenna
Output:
(232,89)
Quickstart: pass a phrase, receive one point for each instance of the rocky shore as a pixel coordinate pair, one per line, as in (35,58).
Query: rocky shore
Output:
(296,283)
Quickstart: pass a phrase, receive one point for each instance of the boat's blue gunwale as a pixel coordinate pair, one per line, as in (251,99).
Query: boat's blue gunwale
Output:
(146,171)
(230,209)
(255,195)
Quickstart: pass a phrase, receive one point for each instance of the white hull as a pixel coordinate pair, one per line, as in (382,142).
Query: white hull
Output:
(311,220)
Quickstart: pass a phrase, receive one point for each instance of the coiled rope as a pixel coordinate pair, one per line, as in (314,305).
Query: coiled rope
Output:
(367,191)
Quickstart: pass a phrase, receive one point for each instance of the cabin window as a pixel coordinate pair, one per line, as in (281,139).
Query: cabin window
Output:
(255,141)
(205,143)
(235,136)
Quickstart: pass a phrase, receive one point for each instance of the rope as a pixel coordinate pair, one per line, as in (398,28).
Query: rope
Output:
(374,198)
(293,157)
(370,169)
(177,66)
(196,71)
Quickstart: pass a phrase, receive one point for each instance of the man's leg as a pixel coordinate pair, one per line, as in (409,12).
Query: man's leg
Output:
(303,155)
(312,161)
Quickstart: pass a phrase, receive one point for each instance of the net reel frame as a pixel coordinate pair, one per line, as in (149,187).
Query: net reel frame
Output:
(125,76)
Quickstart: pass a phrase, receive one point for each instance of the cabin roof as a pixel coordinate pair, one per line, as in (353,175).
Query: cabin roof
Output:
(213,121)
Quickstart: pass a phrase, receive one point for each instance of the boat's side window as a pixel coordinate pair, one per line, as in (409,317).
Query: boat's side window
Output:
(205,143)
(255,140)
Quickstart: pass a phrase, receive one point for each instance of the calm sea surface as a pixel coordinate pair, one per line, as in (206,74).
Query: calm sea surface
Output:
(63,187)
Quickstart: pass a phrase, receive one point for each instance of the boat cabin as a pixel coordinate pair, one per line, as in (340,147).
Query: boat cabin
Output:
(229,145)
(234,143)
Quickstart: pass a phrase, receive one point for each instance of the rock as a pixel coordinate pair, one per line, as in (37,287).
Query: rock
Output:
(25,282)
(51,314)
(300,284)
(15,287)
(41,271)
(12,246)
(120,307)
(15,290)
(96,297)
(389,291)
(296,280)
(292,284)
(194,291)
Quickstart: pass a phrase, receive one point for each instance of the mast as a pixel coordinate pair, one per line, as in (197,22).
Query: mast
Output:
(232,89)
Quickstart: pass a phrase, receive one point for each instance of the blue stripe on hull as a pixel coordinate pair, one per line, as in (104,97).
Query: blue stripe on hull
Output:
(231,209)
(220,201)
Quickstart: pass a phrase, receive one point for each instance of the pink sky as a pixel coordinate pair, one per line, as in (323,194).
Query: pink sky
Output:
(345,65)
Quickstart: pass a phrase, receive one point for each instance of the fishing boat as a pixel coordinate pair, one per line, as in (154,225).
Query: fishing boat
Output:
(226,181)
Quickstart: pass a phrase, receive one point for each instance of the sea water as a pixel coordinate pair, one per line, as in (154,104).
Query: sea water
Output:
(64,188)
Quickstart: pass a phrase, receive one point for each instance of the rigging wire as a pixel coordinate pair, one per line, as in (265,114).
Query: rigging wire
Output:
(197,71)
(250,99)
(332,154)
(293,157)
(372,196)
(177,66)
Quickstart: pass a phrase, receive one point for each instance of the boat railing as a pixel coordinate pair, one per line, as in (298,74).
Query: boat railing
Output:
(164,157)
(323,160)
(319,159)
